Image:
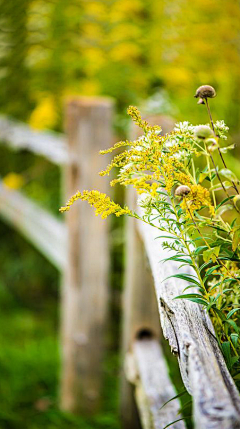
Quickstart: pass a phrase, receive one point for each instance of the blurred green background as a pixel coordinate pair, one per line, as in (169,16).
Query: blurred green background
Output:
(150,53)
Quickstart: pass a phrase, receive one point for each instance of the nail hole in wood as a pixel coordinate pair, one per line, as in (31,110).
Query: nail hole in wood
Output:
(145,334)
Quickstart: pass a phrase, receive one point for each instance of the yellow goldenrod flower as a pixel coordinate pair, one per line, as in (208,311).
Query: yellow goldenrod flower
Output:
(102,203)
(136,117)
(197,198)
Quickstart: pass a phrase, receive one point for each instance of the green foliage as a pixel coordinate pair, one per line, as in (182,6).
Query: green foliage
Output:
(29,365)
(128,50)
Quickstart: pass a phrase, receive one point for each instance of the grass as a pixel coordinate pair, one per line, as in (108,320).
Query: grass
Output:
(29,368)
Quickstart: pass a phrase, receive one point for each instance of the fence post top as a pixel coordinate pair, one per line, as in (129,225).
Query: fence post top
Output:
(90,101)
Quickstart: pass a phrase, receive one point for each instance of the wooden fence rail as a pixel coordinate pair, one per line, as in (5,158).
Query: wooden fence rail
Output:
(19,136)
(42,229)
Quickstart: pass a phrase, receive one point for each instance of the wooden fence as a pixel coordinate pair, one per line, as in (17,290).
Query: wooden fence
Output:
(79,249)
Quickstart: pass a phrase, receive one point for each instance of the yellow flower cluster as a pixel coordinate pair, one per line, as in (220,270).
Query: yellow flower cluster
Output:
(151,162)
(197,198)
(116,146)
(102,203)
(173,171)
(136,117)
(141,184)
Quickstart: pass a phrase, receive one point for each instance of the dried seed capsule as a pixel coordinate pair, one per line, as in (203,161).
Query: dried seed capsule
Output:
(182,190)
(205,91)
(203,132)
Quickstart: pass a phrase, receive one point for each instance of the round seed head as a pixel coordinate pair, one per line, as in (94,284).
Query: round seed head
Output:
(182,190)
(203,132)
(205,91)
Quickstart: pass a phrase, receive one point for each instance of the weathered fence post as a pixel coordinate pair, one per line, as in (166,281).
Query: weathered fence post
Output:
(85,282)
(140,312)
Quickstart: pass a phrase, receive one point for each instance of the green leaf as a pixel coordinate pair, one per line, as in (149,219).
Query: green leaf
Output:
(189,287)
(202,176)
(218,186)
(186,405)
(236,202)
(226,349)
(211,254)
(234,338)
(220,314)
(174,397)
(175,421)
(228,174)
(223,209)
(199,249)
(224,201)
(204,265)
(186,277)
(194,297)
(234,359)
(225,149)
(210,270)
(236,238)
(176,259)
(233,324)
(232,312)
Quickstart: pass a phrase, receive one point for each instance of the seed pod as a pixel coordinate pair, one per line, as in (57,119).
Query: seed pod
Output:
(205,91)
(203,132)
(182,190)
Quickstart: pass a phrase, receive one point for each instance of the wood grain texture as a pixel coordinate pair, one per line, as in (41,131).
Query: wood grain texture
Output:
(85,291)
(153,388)
(191,337)
(43,230)
(18,135)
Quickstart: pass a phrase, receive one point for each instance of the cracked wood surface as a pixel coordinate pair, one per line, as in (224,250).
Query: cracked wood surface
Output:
(189,331)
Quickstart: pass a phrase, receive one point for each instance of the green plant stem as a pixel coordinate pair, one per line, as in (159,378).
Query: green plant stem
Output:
(190,253)
(209,247)
(219,151)
(210,176)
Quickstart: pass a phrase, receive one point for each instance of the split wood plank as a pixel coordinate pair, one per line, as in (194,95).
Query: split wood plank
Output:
(147,370)
(42,229)
(50,145)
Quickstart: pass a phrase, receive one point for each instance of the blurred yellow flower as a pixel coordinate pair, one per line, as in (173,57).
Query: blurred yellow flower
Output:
(44,115)
(13,181)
